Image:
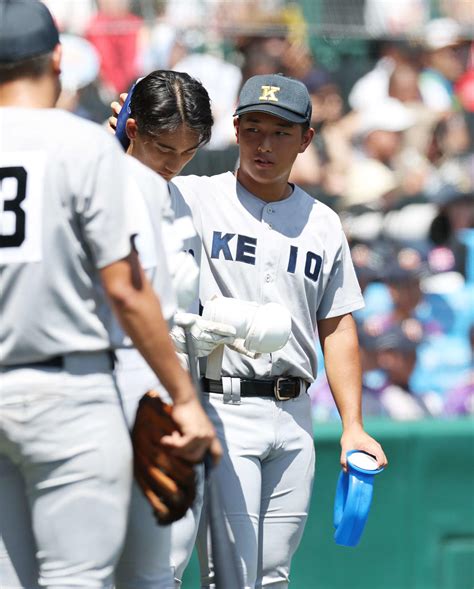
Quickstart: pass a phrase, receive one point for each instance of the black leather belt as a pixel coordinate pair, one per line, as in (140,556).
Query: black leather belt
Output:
(53,362)
(281,388)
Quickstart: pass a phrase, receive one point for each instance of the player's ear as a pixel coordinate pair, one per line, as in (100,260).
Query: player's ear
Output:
(56,58)
(306,139)
(131,129)
(236,128)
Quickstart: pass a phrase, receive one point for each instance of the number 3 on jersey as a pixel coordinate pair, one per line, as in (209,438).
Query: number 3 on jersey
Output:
(21,200)
(13,192)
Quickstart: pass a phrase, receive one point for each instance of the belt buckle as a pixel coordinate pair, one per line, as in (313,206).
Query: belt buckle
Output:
(277,393)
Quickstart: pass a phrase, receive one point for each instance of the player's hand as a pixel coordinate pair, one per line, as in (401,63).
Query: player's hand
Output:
(355,438)
(206,335)
(197,433)
(116,107)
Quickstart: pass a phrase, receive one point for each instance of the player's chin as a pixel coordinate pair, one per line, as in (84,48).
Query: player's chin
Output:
(265,174)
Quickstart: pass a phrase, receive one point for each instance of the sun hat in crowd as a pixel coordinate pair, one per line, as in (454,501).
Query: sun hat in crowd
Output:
(387,115)
(440,33)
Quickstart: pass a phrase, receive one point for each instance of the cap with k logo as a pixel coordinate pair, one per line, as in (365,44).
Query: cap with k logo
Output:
(277,95)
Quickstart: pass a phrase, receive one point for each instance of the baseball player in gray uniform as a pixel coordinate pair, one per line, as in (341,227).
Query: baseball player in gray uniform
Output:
(170,118)
(64,246)
(265,240)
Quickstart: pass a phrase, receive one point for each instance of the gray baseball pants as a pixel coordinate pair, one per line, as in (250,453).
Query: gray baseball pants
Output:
(65,475)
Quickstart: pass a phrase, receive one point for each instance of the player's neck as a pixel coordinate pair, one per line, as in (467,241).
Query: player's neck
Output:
(26,93)
(271,192)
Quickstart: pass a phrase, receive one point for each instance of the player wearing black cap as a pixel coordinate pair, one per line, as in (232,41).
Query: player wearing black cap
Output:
(265,240)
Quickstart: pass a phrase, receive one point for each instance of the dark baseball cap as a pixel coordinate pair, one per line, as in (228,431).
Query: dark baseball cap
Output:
(277,95)
(27,29)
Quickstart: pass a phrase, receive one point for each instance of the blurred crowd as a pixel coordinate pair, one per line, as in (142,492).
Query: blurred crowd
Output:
(393,154)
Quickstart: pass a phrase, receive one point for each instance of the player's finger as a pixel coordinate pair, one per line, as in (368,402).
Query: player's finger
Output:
(123,98)
(112,123)
(216,452)
(216,338)
(190,448)
(220,328)
(375,450)
(343,460)
(379,455)
(115,107)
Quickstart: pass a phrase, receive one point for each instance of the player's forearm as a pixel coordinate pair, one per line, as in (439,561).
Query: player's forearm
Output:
(139,312)
(339,342)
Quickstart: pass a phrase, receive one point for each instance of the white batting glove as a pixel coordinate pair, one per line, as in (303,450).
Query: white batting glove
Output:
(206,335)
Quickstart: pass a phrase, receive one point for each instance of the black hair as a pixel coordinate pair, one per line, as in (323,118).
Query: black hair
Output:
(164,100)
(33,67)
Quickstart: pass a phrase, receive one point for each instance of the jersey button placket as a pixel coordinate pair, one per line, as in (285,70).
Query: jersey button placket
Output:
(271,253)
(267,212)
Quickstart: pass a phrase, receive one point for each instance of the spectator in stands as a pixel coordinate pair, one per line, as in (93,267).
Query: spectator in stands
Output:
(443,65)
(396,356)
(79,69)
(373,87)
(221,79)
(117,35)
(318,168)
(403,83)
(449,150)
(258,62)
(370,173)
(456,212)
(368,258)
(373,377)
(460,400)
(402,273)
(72,17)
(394,19)
(381,130)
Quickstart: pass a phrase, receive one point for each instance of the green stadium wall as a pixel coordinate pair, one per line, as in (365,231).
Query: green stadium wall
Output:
(420,531)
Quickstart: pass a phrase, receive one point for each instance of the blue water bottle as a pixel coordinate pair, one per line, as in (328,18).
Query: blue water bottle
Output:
(353,497)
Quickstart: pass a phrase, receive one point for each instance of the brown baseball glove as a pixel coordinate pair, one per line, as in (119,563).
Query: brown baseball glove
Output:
(167,481)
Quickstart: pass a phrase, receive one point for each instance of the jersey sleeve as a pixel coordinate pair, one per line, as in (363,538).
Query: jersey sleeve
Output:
(104,220)
(342,293)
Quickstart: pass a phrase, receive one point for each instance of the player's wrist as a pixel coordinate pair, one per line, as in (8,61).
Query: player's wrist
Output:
(352,424)
(184,395)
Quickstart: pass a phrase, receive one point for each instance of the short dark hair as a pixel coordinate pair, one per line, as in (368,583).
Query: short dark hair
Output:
(305,127)
(164,100)
(33,67)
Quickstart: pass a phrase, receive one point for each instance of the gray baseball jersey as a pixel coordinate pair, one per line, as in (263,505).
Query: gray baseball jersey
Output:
(151,214)
(292,252)
(63,216)
(185,228)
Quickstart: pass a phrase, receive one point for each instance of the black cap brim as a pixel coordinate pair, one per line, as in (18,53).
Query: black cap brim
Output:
(273,109)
